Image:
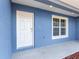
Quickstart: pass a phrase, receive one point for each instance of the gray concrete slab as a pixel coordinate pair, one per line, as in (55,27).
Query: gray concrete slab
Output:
(56,51)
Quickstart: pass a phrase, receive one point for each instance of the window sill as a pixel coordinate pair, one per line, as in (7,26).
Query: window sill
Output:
(59,37)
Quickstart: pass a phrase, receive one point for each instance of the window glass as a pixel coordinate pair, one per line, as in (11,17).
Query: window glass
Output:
(56,31)
(55,22)
(63,22)
(63,31)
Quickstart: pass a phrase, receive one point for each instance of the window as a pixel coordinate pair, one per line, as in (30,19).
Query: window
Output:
(59,27)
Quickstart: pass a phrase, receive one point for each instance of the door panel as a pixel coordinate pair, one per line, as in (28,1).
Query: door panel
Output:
(24,28)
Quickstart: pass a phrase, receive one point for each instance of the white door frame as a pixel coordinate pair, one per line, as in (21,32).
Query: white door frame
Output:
(32,29)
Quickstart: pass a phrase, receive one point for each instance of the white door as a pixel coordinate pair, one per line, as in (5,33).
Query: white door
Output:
(24,29)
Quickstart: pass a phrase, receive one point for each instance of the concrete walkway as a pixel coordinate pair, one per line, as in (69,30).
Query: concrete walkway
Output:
(56,51)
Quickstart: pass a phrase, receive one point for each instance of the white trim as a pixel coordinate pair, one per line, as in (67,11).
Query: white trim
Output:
(60,36)
(32,30)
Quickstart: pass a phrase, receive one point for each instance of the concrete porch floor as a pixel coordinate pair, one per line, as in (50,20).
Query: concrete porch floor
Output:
(56,51)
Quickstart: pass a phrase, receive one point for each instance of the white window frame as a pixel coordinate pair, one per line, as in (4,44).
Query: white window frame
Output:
(60,36)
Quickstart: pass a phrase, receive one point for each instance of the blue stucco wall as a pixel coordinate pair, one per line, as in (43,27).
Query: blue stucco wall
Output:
(43,26)
(77,28)
(5,29)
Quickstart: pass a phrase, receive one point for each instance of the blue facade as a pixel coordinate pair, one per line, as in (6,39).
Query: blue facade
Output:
(5,29)
(77,28)
(43,26)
